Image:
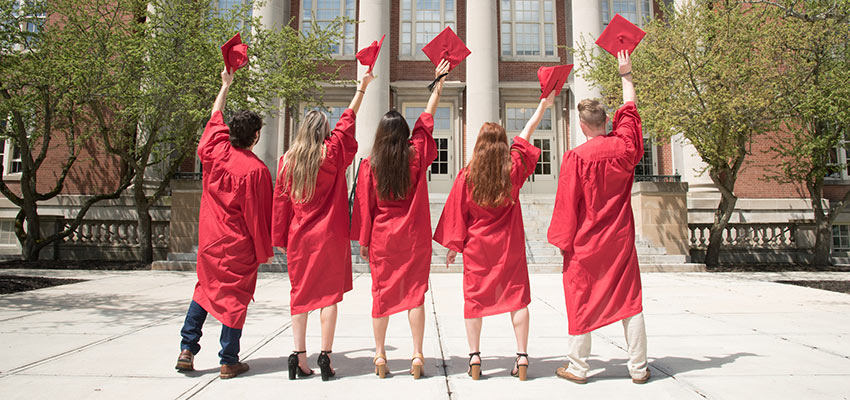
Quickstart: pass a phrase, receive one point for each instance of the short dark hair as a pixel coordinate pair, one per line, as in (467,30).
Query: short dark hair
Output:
(243,126)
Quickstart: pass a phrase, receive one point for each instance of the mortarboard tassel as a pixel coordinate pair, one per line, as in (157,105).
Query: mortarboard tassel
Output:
(434,83)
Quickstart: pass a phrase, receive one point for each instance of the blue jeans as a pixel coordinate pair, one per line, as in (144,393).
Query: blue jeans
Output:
(191,334)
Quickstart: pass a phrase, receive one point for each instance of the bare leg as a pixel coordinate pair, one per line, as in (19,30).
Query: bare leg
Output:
(416,317)
(520,319)
(299,335)
(473,336)
(379,327)
(328,319)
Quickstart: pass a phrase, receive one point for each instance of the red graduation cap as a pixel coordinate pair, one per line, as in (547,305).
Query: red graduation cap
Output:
(235,53)
(553,78)
(620,35)
(447,46)
(368,55)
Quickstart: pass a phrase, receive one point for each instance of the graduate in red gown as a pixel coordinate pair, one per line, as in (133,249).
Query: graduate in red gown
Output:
(482,219)
(392,222)
(234,232)
(310,223)
(593,226)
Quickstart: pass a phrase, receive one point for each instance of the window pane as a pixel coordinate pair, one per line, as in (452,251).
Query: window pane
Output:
(605,15)
(506,10)
(506,40)
(405,10)
(527,39)
(549,37)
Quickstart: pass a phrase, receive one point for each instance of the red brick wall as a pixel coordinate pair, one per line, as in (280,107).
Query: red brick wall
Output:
(95,171)
(757,166)
(665,159)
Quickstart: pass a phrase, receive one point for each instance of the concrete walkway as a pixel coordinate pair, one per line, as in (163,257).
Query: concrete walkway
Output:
(714,336)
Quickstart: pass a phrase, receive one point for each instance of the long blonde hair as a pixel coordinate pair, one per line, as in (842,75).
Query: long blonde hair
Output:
(304,158)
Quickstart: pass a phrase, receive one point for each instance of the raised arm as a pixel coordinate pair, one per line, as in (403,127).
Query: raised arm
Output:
(226,81)
(361,90)
(625,66)
(441,69)
(531,125)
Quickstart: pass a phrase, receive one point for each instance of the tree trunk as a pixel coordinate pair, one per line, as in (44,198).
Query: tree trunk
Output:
(145,232)
(823,233)
(715,238)
(29,248)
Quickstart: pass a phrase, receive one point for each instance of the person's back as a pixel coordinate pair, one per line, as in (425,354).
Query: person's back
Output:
(234,232)
(593,226)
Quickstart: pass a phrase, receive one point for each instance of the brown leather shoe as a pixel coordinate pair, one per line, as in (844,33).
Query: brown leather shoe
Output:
(643,380)
(563,373)
(232,370)
(185,361)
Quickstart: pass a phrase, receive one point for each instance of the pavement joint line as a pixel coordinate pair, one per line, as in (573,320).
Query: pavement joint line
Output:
(199,387)
(87,346)
(654,365)
(29,314)
(773,335)
(440,342)
(84,347)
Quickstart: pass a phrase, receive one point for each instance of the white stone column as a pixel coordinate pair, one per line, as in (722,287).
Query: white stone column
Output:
(688,163)
(273,14)
(375,17)
(482,69)
(587,22)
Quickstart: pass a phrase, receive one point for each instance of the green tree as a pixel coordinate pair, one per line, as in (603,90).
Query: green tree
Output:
(705,71)
(154,118)
(47,75)
(816,55)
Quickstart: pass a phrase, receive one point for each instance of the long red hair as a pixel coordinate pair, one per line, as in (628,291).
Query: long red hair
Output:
(489,170)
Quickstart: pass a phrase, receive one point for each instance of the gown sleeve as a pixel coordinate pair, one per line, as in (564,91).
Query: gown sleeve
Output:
(452,229)
(627,127)
(423,139)
(524,158)
(215,133)
(365,205)
(257,207)
(568,204)
(342,145)
(281,212)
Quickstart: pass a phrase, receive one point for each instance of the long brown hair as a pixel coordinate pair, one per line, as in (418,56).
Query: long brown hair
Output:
(390,157)
(489,170)
(304,158)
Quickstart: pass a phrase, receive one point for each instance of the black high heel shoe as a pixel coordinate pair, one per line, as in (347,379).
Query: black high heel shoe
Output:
(294,369)
(520,370)
(325,365)
(474,369)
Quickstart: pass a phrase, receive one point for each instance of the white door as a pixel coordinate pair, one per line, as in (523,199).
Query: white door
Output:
(441,174)
(544,180)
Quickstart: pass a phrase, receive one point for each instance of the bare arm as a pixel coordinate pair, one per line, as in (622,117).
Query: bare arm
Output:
(625,66)
(361,90)
(438,89)
(531,125)
(226,81)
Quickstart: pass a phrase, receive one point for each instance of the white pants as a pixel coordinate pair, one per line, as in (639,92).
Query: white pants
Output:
(635,330)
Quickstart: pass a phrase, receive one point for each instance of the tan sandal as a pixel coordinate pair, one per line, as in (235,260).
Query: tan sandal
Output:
(417,369)
(380,369)
(474,368)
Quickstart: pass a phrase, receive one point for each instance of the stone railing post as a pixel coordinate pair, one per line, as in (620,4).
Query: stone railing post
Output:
(185,206)
(661,214)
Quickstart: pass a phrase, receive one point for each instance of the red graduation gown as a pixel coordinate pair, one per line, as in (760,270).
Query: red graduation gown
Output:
(593,224)
(315,234)
(234,225)
(398,232)
(492,240)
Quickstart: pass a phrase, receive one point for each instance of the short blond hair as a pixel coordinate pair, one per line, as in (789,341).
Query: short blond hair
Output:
(592,113)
